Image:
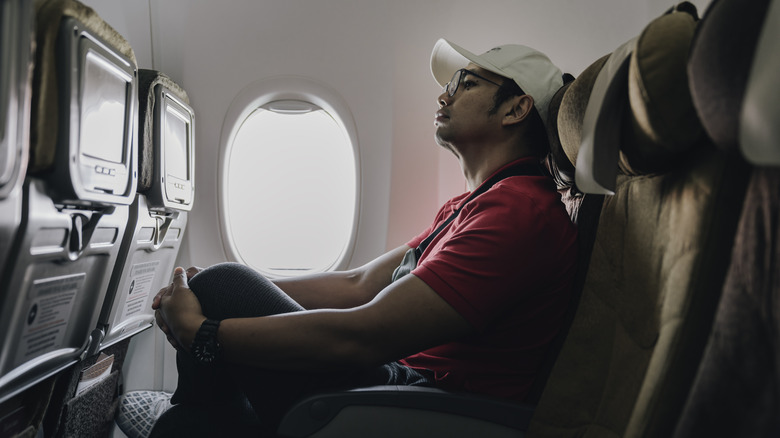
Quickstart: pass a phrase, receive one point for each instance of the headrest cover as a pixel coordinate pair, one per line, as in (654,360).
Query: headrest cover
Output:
(721,57)
(663,122)
(572,109)
(147,80)
(597,160)
(530,69)
(561,168)
(49,14)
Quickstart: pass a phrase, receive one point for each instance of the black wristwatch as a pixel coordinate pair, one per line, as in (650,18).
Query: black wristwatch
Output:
(205,347)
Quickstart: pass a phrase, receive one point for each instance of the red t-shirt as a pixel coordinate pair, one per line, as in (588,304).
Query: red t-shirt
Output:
(505,264)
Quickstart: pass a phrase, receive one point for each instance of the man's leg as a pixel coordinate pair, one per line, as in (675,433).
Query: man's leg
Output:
(230,290)
(226,290)
(206,397)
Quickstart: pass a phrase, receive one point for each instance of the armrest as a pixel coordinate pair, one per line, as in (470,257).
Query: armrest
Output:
(392,408)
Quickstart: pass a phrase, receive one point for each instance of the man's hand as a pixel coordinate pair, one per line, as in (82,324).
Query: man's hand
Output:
(178,312)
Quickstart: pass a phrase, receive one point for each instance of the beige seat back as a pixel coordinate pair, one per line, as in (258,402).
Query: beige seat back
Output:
(661,246)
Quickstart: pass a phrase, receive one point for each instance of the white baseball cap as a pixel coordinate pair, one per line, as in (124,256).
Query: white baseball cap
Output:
(530,69)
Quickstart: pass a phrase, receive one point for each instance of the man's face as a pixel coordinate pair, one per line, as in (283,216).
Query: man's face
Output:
(465,116)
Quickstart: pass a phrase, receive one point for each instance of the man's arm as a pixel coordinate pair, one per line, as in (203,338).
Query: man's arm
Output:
(345,289)
(404,318)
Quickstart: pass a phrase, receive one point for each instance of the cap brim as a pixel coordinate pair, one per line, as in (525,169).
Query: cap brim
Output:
(447,57)
(597,161)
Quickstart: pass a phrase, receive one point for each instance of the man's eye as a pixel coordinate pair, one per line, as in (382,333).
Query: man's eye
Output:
(468,84)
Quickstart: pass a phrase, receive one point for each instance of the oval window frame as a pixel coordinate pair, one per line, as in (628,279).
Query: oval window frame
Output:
(262,93)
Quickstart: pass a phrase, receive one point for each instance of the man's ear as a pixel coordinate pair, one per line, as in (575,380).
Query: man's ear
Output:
(519,108)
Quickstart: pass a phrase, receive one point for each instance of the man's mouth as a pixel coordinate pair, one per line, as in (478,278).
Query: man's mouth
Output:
(440,117)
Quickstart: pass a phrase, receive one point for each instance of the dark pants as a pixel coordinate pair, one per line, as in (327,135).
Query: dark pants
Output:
(214,399)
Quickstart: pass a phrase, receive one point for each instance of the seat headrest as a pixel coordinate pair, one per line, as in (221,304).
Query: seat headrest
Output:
(639,111)
(721,56)
(561,168)
(147,81)
(45,106)
(572,110)
(663,122)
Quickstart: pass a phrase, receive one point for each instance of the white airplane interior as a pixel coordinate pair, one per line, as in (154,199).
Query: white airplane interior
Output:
(308,126)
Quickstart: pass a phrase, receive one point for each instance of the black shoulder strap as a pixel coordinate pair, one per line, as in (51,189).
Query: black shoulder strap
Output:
(524,168)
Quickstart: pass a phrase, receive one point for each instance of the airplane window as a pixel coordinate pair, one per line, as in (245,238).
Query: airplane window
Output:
(291,197)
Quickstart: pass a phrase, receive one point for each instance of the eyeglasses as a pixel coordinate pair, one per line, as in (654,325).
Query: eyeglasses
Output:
(452,86)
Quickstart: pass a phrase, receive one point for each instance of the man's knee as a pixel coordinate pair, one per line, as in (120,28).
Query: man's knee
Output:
(223,276)
(232,290)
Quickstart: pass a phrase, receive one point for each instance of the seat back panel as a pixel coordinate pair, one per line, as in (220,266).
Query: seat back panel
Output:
(145,266)
(51,289)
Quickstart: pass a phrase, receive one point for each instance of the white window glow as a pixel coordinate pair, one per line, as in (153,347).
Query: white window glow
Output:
(291,190)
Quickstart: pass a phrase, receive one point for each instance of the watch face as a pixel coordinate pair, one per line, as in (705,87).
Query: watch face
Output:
(203,354)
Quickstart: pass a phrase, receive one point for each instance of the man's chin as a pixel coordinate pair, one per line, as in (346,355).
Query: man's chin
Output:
(443,143)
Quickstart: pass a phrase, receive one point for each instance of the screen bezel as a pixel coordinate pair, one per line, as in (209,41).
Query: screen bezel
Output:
(89,178)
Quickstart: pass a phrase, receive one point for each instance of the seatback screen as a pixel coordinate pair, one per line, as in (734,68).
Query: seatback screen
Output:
(103,101)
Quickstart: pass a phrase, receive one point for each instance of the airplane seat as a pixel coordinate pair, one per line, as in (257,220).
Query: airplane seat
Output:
(20,414)
(146,259)
(733,68)
(81,178)
(661,247)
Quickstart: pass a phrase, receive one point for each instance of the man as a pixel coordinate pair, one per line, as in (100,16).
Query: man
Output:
(468,305)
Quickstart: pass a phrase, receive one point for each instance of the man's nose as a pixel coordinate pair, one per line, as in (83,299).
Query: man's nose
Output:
(444,99)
